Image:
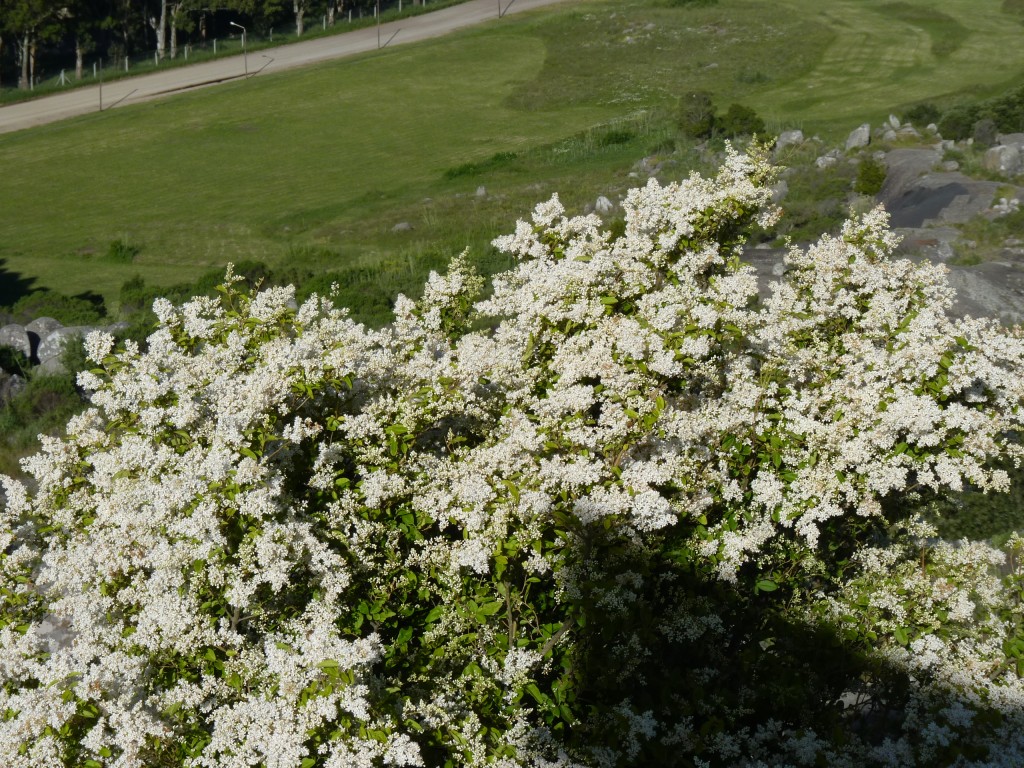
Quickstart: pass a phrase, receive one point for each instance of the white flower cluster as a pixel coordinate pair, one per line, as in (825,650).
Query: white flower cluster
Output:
(214,566)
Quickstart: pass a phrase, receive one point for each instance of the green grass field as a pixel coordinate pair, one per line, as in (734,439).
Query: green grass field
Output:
(313,168)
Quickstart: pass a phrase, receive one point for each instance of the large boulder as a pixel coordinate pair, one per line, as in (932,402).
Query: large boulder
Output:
(1003,159)
(43,326)
(788,139)
(52,347)
(38,330)
(16,337)
(859,137)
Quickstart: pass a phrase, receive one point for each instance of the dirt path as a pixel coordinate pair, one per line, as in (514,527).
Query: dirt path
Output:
(16,117)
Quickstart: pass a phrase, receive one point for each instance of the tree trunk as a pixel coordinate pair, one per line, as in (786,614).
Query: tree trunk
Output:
(174,32)
(1,59)
(331,8)
(23,46)
(79,57)
(161,31)
(299,7)
(32,65)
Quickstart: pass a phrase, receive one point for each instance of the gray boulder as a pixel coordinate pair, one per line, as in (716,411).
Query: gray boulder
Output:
(53,346)
(1006,139)
(788,139)
(604,205)
(1003,159)
(402,226)
(894,122)
(16,337)
(43,326)
(859,137)
(117,328)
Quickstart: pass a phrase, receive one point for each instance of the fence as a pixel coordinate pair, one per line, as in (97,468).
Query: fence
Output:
(54,75)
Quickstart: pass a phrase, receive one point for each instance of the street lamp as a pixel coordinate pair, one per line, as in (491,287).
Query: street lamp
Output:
(245,56)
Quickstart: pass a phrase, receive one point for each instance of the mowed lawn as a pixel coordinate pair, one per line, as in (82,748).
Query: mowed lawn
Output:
(315,167)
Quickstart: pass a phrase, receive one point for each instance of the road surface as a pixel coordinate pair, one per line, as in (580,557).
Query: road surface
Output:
(79,101)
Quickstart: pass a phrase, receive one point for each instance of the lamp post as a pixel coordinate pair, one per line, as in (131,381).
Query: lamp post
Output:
(245,56)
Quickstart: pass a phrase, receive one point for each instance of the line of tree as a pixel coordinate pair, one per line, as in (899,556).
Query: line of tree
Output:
(62,30)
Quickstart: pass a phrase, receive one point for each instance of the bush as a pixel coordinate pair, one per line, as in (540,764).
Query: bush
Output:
(637,519)
(958,122)
(84,309)
(740,121)
(923,114)
(122,252)
(871,175)
(697,115)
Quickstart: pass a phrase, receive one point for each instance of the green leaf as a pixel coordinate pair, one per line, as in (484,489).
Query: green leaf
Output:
(901,636)
(489,609)
(534,691)
(766,585)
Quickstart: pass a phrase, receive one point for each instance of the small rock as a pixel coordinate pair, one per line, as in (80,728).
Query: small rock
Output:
(1004,206)
(825,161)
(788,138)
(402,226)
(604,205)
(908,130)
(859,137)
(947,144)
(889,135)
(11,384)
(950,166)
(481,191)
(779,191)
(894,122)
(932,128)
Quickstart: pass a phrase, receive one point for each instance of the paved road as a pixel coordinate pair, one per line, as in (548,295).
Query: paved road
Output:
(16,117)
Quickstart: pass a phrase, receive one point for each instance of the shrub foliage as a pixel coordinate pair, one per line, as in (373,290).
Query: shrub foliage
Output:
(639,518)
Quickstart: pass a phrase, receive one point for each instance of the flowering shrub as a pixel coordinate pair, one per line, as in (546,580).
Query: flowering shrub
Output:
(641,518)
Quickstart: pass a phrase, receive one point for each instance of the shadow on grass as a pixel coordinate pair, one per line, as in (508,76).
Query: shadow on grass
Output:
(13,286)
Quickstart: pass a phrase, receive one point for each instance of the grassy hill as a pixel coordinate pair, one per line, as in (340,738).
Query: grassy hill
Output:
(312,169)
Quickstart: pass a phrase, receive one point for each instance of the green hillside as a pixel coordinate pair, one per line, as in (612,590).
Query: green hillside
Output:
(313,169)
